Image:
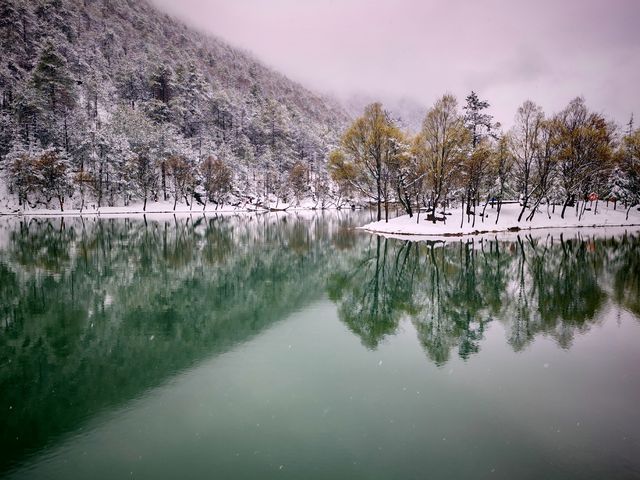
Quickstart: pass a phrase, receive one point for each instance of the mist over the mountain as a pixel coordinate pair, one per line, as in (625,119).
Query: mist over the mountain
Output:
(407,112)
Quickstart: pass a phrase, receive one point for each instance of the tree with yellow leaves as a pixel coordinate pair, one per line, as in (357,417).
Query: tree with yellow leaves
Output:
(584,150)
(369,148)
(441,147)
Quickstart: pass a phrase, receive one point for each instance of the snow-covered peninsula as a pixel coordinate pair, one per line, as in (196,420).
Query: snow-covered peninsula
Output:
(455,225)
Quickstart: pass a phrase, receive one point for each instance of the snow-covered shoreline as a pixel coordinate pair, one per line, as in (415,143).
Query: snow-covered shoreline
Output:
(159,208)
(404,226)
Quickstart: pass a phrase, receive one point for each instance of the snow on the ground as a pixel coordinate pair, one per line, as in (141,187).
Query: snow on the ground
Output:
(133,208)
(160,207)
(508,221)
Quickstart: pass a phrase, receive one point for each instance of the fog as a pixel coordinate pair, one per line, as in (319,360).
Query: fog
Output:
(506,50)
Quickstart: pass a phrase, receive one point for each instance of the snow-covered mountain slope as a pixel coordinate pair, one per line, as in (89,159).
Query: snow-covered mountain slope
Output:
(67,66)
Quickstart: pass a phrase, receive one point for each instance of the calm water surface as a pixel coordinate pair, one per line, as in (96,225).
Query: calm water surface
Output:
(291,346)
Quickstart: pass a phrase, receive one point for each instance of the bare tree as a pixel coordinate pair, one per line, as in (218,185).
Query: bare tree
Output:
(21,174)
(502,165)
(143,175)
(545,164)
(298,179)
(53,175)
(524,145)
(216,179)
(181,174)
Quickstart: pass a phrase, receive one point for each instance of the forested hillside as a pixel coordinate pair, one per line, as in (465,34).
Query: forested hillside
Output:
(111,102)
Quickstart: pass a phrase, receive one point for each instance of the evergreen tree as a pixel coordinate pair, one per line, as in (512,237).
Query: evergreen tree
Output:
(479,123)
(55,97)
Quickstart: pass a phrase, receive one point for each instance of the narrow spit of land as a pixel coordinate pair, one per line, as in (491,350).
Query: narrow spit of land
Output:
(454,225)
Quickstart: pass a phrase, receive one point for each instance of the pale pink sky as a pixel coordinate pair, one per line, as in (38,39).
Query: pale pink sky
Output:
(507,50)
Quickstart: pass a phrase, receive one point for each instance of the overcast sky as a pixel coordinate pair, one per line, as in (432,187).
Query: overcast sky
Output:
(507,50)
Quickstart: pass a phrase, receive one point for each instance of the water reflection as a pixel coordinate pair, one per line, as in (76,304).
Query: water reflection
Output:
(93,313)
(535,286)
(96,312)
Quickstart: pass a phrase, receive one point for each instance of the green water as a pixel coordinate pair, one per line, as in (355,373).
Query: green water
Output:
(292,346)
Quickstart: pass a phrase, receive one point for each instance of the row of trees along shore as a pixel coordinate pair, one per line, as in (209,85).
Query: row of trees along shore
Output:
(464,158)
(132,158)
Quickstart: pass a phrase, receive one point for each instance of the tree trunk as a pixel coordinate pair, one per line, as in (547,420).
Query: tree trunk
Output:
(379,186)
(163,171)
(405,200)
(582,210)
(564,207)
(474,212)
(524,207)
(100,186)
(433,210)
(484,208)
(386,209)
(533,210)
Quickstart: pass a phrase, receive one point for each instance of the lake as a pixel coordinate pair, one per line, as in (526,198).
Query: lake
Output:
(294,346)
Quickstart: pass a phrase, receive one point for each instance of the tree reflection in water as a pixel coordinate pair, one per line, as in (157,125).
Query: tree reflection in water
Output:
(450,292)
(95,312)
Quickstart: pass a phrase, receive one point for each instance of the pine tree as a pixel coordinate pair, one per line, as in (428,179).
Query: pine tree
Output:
(52,79)
(480,124)
(55,97)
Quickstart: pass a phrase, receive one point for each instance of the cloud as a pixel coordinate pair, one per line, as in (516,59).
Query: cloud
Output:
(508,50)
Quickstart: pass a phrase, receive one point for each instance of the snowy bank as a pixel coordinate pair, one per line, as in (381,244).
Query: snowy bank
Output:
(161,208)
(605,216)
